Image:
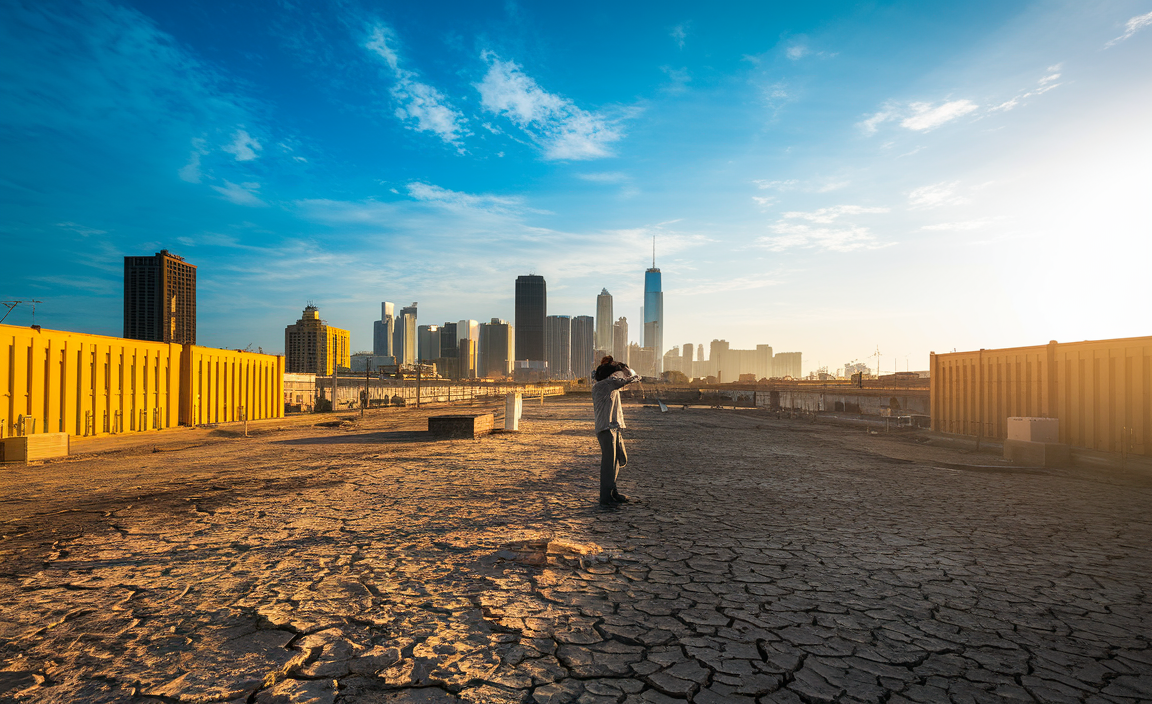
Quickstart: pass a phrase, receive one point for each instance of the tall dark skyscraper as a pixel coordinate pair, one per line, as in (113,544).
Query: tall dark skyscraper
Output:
(531,310)
(583,361)
(160,298)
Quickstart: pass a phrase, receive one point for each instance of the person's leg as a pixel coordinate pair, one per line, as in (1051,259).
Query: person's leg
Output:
(621,460)
(607,440)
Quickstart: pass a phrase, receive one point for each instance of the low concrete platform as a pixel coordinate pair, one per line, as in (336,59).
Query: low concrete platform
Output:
(1038,454)
(461,425)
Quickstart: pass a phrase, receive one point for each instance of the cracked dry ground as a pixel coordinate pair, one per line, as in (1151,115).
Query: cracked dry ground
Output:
(766,560)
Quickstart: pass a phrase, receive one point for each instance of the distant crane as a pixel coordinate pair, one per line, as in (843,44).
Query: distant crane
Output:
(12,304)
(877,356)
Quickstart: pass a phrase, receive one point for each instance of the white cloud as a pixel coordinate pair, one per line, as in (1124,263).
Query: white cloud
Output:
(764,202)
(564,130)
(1131,27)
(679,79)
(796,52)
(605,177)
(679,33)
(872,123)
(190,172)
(430,193)
(243,147)
(240,194)
(934,196)
(830,186)
(778,185)
(81,230)
(927,117)
(962,226)
(799,236)
(828,215)
(420,106)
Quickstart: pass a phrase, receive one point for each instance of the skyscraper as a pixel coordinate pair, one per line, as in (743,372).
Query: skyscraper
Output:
(311,346)
(620,340)
(404,336)
(497,348)
(467,347)
(428,342)
(531,309)
(604,322)
(558,346)
(654,313)
(383,330)
(584,358)
(160,298)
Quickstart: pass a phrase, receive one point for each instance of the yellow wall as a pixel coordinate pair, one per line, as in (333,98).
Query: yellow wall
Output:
(92,385)
(1100,390)
(223,385)
(337,352)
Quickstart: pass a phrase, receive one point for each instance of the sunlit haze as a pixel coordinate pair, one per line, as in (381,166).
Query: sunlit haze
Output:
(830,178)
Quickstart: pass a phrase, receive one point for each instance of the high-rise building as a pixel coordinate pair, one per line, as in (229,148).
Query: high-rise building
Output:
(604,321)
(654,313)
(620,340)
(531,310)
(160,298)
(468,347)
(584,358)
(497,348)
(786,364)
(404,336)
(558,346)
(687,351)
(383,330)
(312,346)
(428,342)
(718,362)
(763,362)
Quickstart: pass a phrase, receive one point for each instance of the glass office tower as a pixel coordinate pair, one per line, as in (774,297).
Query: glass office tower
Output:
(654,317)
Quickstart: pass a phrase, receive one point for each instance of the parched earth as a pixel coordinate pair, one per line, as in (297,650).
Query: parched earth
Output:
(761,560)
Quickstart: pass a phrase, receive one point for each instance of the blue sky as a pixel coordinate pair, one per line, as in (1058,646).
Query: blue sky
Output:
(824,177)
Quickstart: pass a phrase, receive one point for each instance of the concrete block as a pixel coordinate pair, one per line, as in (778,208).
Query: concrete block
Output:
(39,446)
(461,426)
(513,408)
(1037,454)
(1034,429)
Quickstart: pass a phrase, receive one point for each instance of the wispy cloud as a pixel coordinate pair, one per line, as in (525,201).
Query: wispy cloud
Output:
(845,238)
(679,33)
(243,146)
(240,193)
(81,230)
(828,215)
(430,193)
(934,196)
(605,177)
(678,79)
(1043,85)
(918,116)
(928,117)
(1131,27)
(796,52)
(961,226)
(563,129)
(419,105)
(783,185)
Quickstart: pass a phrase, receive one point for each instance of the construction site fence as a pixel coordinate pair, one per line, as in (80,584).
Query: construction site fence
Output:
(351,393)
(54,381)
(1101,392)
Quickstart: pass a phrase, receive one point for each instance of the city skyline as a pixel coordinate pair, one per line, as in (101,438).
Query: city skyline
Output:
(828,179)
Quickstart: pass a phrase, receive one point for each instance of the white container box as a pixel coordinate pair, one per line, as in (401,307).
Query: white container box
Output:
(1034,429)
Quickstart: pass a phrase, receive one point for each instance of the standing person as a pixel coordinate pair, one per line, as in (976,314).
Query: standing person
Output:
(611,376)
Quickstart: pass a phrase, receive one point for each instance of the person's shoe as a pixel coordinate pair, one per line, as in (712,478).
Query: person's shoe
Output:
(609,503)
(619,498)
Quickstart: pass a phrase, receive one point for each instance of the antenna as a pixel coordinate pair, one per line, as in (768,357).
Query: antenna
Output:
(653,251)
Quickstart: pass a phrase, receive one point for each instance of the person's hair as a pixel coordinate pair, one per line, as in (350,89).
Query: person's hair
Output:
(606,360)
(608,368)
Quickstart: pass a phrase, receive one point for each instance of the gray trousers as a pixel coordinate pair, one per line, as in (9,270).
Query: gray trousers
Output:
(612,458)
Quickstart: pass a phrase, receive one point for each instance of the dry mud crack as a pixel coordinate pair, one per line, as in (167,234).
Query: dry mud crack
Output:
(761,561)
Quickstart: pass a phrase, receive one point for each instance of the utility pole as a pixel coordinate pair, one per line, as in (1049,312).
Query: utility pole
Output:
(367,371)
(417,382)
